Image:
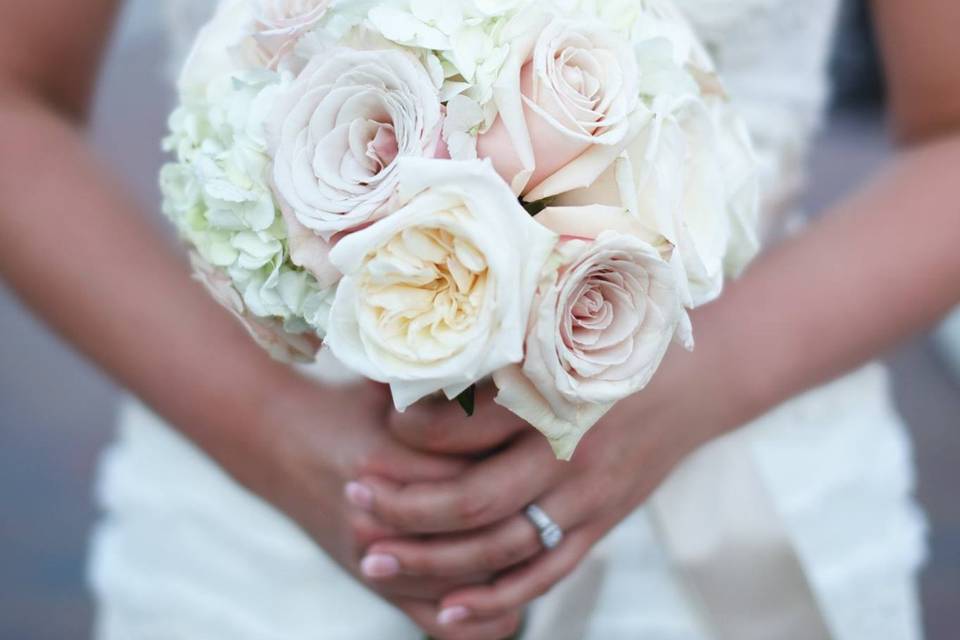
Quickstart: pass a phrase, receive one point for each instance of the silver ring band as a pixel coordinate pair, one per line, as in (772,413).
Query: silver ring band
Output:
(550,532)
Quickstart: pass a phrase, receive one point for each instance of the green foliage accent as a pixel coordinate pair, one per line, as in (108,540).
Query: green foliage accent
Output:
(468,400)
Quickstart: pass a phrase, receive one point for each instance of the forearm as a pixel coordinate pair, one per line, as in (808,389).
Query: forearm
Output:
(882,266)
(82,256)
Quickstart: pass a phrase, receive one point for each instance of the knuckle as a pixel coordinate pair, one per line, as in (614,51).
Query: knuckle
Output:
(599,493)
(496,556)
(363,531)
(410,517)
(421,563)
(475,508)
(370,463)
(491,557)
(405,515)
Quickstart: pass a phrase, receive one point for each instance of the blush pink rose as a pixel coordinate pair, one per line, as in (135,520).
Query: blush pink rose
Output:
(604,316)
(339,129)
(568,86)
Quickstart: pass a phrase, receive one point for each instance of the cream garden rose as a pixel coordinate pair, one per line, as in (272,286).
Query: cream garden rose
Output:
(436,296)
(606,312)
(569,85)
(339,129)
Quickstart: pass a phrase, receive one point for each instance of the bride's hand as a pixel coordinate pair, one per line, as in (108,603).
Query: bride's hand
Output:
(479,514)
(309,444)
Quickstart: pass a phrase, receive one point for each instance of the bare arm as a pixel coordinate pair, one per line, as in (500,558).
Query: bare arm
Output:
(78,251)
(883,265)
(82,256)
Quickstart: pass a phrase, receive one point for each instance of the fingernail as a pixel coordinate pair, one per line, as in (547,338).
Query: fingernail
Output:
(359,495)
(453,615)
(380,565)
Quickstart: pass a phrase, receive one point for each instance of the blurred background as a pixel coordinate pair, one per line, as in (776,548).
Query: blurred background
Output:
(56,411)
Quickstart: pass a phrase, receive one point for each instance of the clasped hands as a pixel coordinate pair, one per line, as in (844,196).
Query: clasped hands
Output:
(449,543)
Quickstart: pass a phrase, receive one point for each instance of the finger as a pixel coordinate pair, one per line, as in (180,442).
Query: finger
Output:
(418,588)
(517,588)
(365,530)
(487,492)
(444,428)
(403,464)
(451,627)
(489,550)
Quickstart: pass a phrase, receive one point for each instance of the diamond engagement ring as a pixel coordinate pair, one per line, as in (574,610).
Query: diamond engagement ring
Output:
(550,532)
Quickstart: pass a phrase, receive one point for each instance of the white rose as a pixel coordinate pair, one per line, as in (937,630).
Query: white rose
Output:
(741,174)
(605,314)
(212,54)
(280,23)
(569,85)
(289,16)
(436,296)
(691,176)
(339,129)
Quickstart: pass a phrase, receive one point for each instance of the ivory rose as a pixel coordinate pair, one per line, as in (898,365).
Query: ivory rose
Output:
(288,17)
(280,23)
(212,54)
(338,130)
(691,175)
(436,296)
(605,313)
(568,87)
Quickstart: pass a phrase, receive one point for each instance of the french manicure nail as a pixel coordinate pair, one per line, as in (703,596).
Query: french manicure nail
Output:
(359,495)
(380,565)
(453,615)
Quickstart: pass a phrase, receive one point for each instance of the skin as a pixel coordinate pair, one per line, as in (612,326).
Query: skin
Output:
(893,269)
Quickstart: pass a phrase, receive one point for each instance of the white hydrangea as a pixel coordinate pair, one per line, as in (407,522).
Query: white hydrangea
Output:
(665,44)
(465,34)
(216,192)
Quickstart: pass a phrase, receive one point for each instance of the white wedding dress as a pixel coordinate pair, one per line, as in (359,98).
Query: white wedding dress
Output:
(184,553)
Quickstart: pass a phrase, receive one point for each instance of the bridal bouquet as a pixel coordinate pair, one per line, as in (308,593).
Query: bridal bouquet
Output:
(444,191)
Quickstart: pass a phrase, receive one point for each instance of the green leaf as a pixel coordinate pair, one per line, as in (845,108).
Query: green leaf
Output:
(533,208)
(468,399)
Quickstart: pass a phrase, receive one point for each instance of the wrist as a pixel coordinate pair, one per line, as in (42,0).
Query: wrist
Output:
(731,377)
(246,416)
